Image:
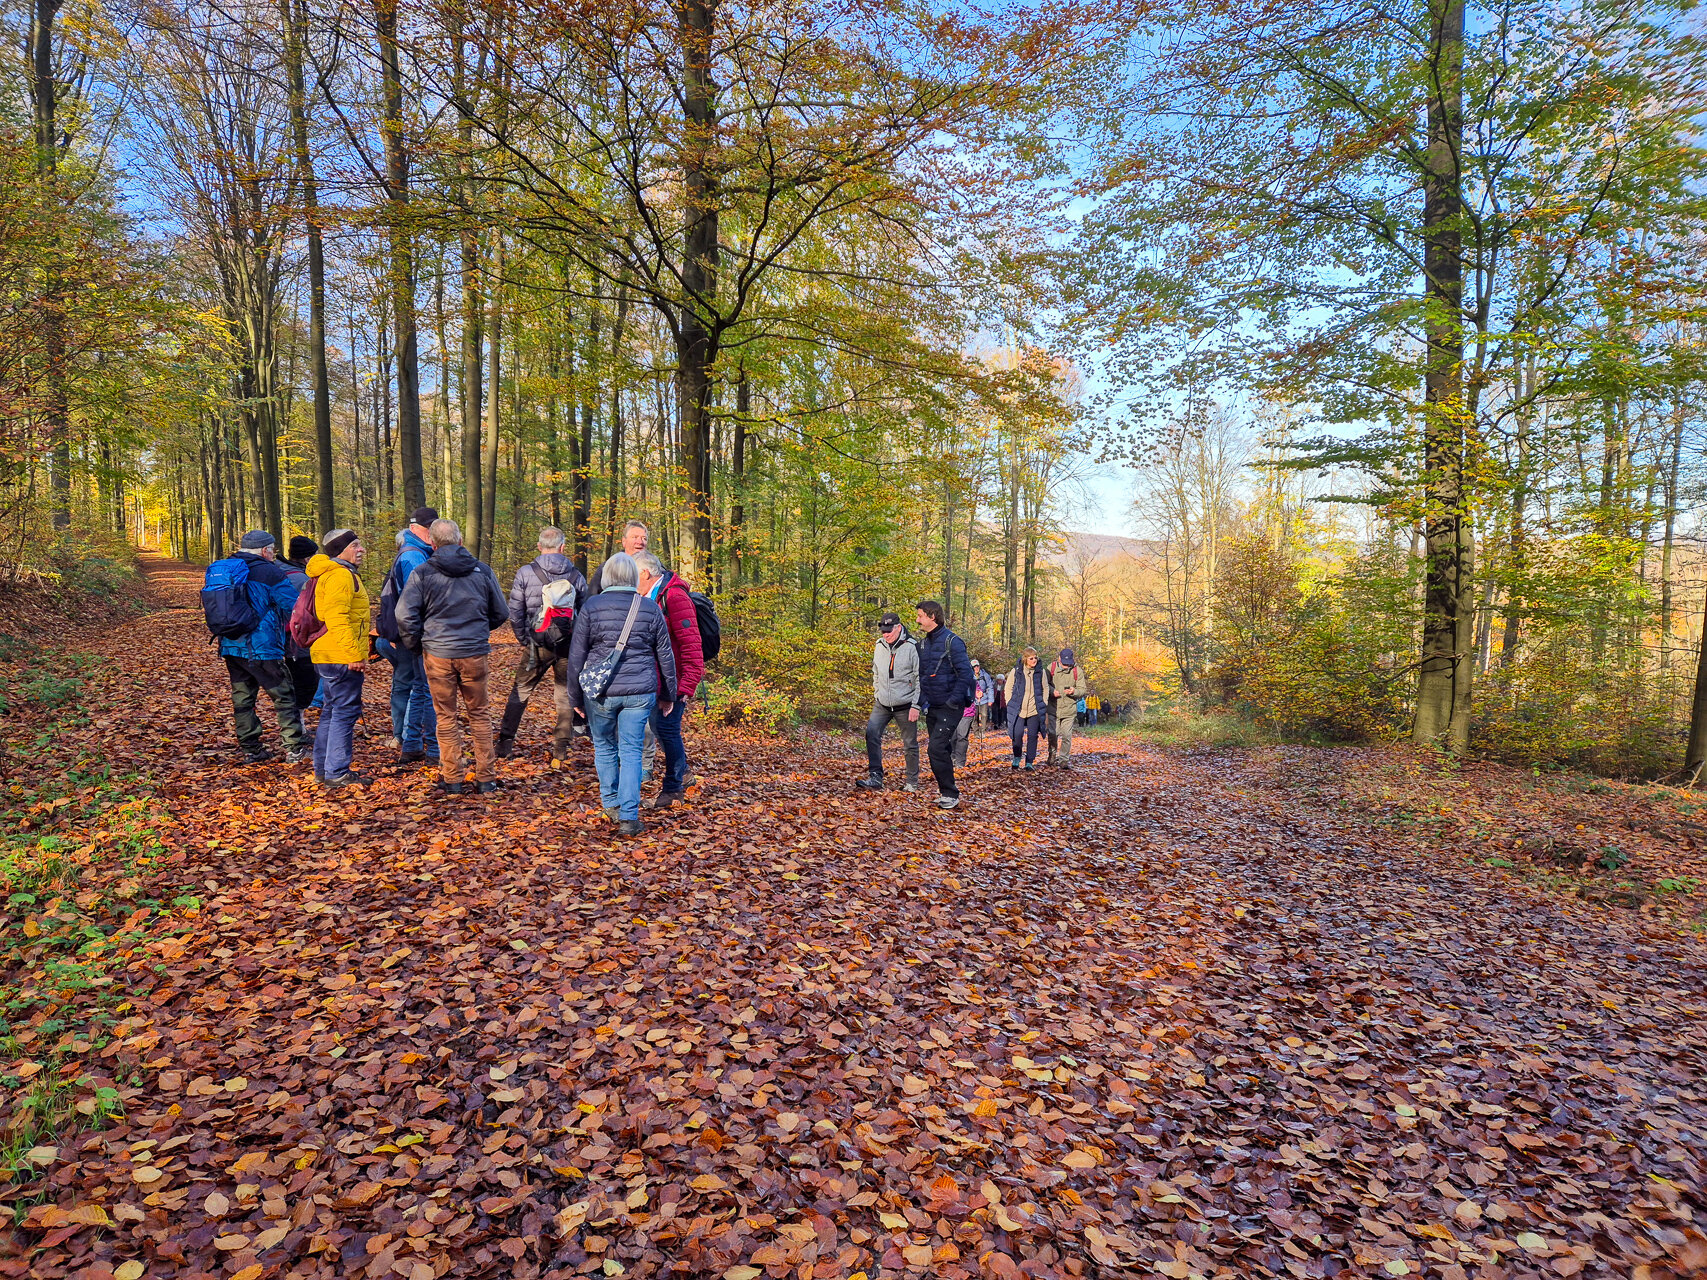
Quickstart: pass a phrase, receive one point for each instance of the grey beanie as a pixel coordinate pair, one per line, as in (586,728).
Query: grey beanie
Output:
(255,539)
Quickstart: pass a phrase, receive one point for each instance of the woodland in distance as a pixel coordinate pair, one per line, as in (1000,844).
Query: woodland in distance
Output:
(1367,941)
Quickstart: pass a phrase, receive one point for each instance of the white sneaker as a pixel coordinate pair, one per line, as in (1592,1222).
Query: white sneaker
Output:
(909,787)
(948,802)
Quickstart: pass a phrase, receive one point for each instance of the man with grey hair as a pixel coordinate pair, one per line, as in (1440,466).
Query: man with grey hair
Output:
(544,647)
(448,610)
(634,538)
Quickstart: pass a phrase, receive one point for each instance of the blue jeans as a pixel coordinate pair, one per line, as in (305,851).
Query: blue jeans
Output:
(335,737)
(618,728)
(668,729)
(413,723)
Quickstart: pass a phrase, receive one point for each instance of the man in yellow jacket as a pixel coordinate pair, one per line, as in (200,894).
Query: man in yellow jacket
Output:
(341,603)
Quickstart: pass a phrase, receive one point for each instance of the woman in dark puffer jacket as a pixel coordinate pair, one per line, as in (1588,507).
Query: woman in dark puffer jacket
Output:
(645,677)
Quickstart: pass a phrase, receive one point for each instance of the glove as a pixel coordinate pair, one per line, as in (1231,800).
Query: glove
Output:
(970,711)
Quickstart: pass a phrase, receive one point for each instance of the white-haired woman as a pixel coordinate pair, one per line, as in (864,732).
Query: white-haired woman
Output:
(621,646)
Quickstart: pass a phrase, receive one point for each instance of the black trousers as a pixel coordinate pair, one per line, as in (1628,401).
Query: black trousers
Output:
(942,722)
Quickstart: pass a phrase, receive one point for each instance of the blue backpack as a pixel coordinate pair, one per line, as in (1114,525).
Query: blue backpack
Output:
(226,605)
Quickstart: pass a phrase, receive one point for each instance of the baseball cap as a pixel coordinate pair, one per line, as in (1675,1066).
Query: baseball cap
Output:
(423,516)
(888,620)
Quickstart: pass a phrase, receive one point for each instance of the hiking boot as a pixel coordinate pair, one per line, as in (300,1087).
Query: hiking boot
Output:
(349,780)
(1031,764)
(663,800)
(1018,763)
(614,815)
(948,802)
(690,780)
(871,782)
(504,747)
(629,827)
(449,788)
(411,757)
(488,787)
(296,755)
(257,755)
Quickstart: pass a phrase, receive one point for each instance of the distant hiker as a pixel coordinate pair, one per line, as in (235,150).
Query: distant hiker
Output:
(635,537)
(544,596)
(986,693)
(669,591)
(341,606)
(1093,708)
(894,693)
(968,718)
(413,722)
(301,667)
(449,609)
(1066,686)
(623,666)
(1026,693)
(999,707)
(945,692)
(247,599)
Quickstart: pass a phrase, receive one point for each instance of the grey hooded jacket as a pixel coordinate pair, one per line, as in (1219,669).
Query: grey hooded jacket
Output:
(895,672)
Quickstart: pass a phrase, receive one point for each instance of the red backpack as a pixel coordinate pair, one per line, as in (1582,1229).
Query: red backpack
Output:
(305,626)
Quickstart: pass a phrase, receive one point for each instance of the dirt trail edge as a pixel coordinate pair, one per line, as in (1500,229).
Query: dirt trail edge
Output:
(1117,1022)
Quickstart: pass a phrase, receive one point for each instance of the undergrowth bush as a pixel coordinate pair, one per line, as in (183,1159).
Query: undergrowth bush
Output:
(748,700)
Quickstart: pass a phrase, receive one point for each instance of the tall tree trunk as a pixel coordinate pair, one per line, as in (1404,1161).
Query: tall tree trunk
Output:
(1695,753)
(1444,676)
(469,242)
(494,348)
(1666,552)
(584,456)
(738,486)
(295,16)
(614,477)
(44,92)
(697,334)
(402,262)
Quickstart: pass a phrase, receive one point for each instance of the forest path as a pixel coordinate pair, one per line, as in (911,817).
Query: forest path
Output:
(1119,1021)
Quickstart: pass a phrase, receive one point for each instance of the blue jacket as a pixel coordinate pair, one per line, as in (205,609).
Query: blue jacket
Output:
(945,671)
(272,592)
(414,554)
(648,663)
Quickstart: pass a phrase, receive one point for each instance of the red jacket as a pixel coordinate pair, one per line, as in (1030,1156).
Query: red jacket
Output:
(684,636)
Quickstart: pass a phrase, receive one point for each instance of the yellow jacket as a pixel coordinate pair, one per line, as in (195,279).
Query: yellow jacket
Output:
(341,602)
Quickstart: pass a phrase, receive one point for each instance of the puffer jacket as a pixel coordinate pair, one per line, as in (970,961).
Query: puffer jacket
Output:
(648,662)
(450,606)
(895,672)
(945,671)
(1024,691)
(528,586)
(683,621)
(272,593)
(341,602)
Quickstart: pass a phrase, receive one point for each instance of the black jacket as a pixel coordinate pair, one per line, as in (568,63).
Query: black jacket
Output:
(945,671)
(648,663)
(451,606)
(526,598)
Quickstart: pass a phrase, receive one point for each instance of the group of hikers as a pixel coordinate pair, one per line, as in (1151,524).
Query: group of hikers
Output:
(624,653)
(934,678)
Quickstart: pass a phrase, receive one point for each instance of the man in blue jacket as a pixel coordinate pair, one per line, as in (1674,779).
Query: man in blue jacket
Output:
(946,689)
(256,661)
(413,722)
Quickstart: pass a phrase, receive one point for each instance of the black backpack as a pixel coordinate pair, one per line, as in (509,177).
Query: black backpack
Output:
(710,629)
(385,625)
(226,605)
